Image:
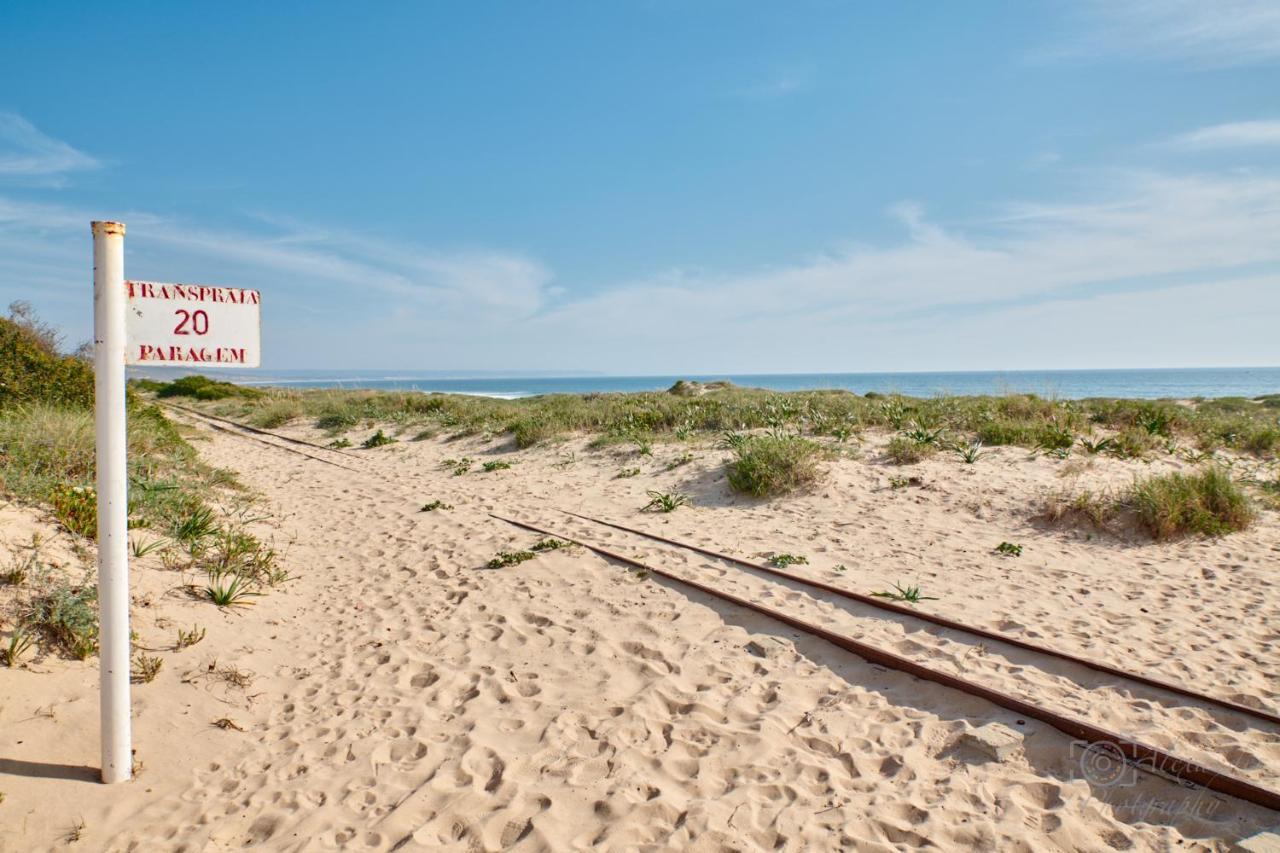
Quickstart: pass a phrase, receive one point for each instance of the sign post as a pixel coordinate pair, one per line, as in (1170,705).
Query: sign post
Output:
(113,499)
(142,322)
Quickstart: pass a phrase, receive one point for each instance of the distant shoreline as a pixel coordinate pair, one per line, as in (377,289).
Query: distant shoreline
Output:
(1150,383)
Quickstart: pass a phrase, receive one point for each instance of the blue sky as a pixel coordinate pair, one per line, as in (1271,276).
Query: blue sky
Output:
(665,187)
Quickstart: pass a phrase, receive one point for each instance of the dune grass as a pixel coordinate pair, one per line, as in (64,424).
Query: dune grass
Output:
(1165,506)
(47,460)
(1139,427)
(1205,503)
(770,465)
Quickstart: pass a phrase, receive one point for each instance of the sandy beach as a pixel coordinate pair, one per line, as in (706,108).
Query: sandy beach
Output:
(398,694)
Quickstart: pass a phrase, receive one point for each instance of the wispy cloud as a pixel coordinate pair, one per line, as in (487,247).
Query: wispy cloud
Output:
(26,152)
(1033,286)
(1214,33)
(786,82)
(1241,134)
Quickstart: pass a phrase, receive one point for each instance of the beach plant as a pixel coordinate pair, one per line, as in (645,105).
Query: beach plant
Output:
(909,594)
(20,569)
(140,549)
(841,567)
(276,413)
(682,459)
(626,473)
(340,443)
(20,642)
(230,589)
(434,505)
(496,465)
(509,558)
(921,435)
(643,446)
(970,454)
(1009,549)
(194,527)
(66,616)
(145,668)
(544,545)
(665,501)
(730,440)
(458,466)
(900,482)
(76,507)
(766,466)
(1095,446)
(1053,437)
(378,439)
(904,451)
(783,560)
(188,637)
(1207,503)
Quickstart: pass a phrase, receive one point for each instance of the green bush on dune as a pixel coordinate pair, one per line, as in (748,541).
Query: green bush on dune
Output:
(766,465)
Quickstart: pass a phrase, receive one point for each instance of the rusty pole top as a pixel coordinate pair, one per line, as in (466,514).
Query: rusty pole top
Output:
(107,227)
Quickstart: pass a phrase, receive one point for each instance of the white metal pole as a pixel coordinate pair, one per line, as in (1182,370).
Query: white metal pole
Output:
(113,506)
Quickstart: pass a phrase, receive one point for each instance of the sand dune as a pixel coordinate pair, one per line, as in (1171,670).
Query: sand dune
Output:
(402,696)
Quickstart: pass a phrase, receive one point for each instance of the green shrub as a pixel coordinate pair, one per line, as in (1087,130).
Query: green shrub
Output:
(76,507)
(276,413)
(1000,432)
(533,430)
(774,465)
(378,439)
(906,451)
(199,387)
(32,371)
(1207,503)
(68,619)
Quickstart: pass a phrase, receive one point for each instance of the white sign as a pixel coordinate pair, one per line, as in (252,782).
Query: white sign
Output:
(191,324)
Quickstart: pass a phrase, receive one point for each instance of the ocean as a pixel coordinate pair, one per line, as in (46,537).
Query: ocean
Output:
(1060,384)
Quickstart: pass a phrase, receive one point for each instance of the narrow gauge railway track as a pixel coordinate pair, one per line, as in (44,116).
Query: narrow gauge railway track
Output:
(1139,753)
(252,433)
(255,430)
(942,621)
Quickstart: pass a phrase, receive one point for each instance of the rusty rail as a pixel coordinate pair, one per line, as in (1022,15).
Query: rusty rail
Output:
(256,430)
(944,622)
(1136,751)
(220,428)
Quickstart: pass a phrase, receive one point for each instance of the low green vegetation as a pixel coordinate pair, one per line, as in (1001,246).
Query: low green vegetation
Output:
(905,451)
(435,505)
(198,388)
(545,545)
(495,465)
(770,465)
(781,561)
(1009,549)
(910,594)
(145,668)
(665,501)
(1165,506)
(458,466)
(378,439)
(188,637)
(47,460)
(509,558)
(1207,503)
(1139,427)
